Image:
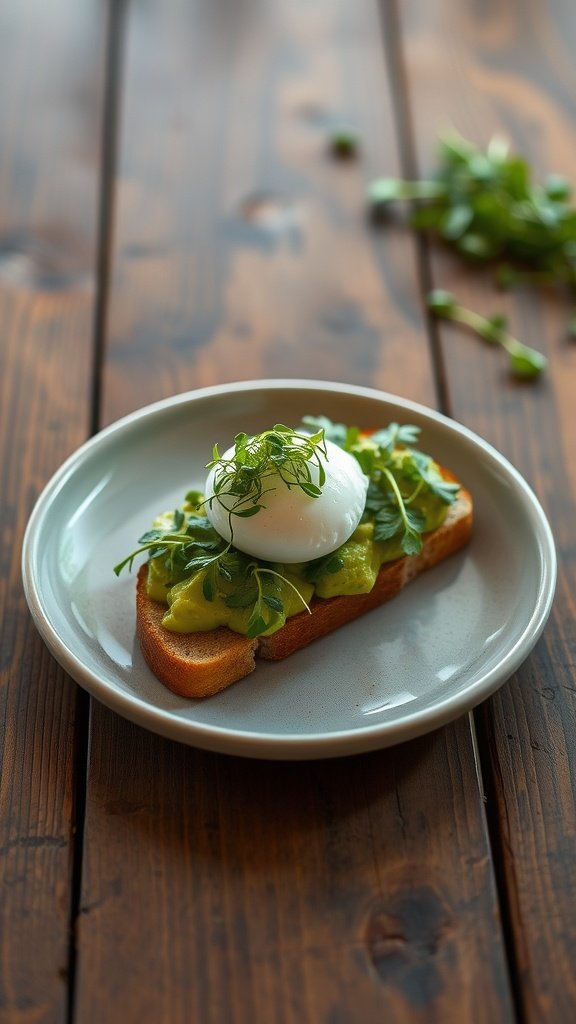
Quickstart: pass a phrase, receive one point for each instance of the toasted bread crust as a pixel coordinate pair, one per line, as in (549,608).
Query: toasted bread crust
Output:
(196,665)
(190,664)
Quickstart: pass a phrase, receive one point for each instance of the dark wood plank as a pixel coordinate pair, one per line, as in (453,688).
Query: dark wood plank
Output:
(51,63)
(216,889)
(512,73)
(242,245)
(221,889)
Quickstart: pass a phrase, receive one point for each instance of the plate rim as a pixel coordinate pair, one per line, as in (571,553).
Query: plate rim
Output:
(288,746)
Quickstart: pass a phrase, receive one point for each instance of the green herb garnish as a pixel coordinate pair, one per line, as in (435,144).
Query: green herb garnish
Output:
(523,361)
(268,606)
(486,207)
(188,544)
(397,472)
(281,454)
(227,573)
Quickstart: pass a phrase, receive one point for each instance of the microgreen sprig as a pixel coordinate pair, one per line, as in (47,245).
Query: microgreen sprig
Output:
(395,516)
(187,544)
(268,605)
(240,482)
(487,207)
(523,361)
(226,572)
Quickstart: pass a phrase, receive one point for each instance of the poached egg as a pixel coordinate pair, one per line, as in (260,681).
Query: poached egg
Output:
(293,526)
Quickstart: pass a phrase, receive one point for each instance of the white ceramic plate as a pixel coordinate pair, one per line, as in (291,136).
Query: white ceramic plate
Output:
(448,641)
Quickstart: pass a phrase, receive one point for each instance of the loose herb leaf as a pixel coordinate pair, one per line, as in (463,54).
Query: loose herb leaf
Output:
(344,142)
(412,541)
(398,521)
(338,433)
(387,522)
(209,589)
(394,434)
(178,520)
(150,536)
(246,513)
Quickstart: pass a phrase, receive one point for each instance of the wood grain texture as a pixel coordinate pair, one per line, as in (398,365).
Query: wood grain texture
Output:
(512,73)
(224,890)
(50,76)
(340,890)
(242,245)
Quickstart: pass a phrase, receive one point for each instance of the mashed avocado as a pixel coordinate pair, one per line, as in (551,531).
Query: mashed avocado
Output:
(360,560)
(190,612)
(363,557)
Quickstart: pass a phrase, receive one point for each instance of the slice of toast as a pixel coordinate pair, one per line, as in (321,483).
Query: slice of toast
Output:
(201,664)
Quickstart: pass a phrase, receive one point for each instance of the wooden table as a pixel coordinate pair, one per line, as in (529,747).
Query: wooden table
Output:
(170,218)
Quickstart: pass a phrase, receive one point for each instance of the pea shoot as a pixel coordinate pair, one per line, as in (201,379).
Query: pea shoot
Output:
(523,361)
(398,473)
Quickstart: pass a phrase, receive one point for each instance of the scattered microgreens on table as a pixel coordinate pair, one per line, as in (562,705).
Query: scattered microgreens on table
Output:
(344,142)
(486,207)
(523,361)
(190,545)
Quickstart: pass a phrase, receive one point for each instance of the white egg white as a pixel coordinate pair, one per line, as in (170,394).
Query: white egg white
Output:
(294,527)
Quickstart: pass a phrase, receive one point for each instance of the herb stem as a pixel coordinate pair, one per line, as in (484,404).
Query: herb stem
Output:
(477,323)
(397,494)
(284,579)
(415,493)
(388,190)
(524,361)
